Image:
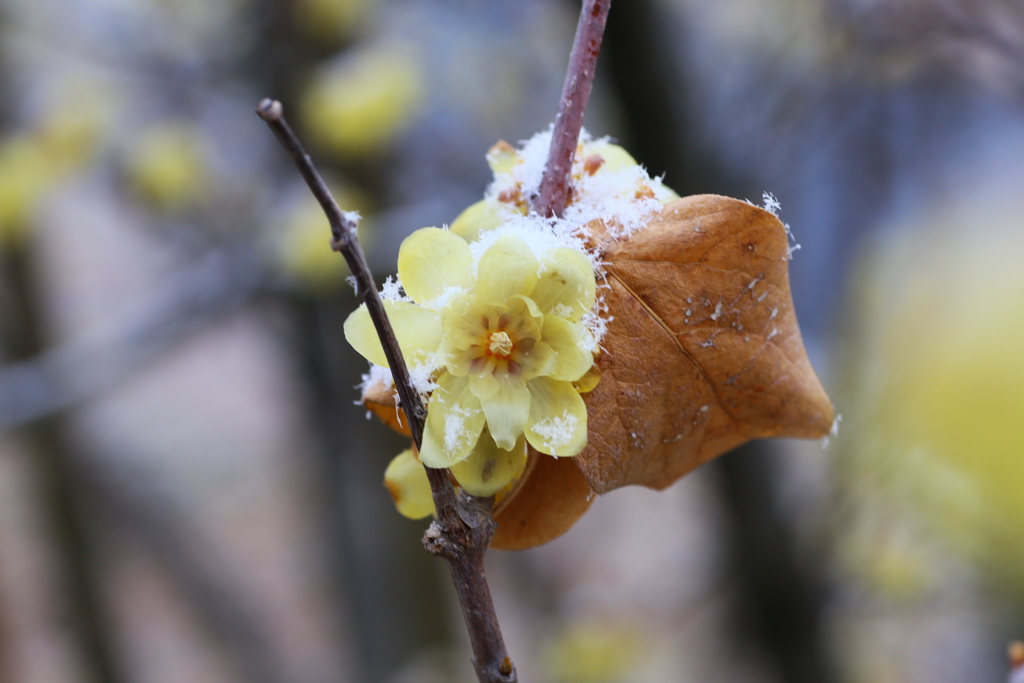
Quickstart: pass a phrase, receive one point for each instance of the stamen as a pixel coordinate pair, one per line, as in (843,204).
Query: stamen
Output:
(500,344)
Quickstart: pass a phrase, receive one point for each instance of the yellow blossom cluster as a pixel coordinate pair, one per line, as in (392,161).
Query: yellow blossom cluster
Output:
(497,321)
(506,343)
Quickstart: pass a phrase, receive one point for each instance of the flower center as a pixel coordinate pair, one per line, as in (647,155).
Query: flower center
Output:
(500,344)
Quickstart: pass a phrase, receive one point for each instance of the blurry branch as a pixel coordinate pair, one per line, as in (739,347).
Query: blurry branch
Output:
(986,24)
(781,590)
(36,392)
(579,79)
(464,525)
(146,512)
(65,376)
(80,596)
(970,27)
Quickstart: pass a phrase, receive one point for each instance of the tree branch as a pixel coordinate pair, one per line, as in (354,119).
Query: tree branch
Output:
(579,79)
(464,525)
(66,375)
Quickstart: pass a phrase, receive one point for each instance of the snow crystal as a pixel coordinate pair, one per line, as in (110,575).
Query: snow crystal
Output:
(562,310)
(392,289)
(444,298)
(422,376)
(832,433)
(455,434)
(615,197)
(771,204)
(557,432)
(377,376)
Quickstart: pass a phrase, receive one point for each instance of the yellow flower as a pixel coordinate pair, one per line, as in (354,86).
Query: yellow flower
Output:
(501,339)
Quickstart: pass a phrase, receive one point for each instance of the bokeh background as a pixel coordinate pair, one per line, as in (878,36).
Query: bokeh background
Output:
(187,492)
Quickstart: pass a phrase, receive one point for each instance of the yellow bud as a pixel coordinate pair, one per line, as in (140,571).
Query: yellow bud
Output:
(357,107)
(475,219)
(592,652)
(406,481)
(615,157)
(167,167)
(502,157)
(26,174)
(329,21)
(304,251)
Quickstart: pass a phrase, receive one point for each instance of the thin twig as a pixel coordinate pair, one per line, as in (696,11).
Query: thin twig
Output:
(579,79)
(464,525)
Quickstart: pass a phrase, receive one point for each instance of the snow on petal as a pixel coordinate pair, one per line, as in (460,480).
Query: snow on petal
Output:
(431,262)
(558,418)
(454,423)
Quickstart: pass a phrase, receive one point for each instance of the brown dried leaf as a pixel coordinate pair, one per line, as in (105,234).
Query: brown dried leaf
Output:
(380,399)
(702,354)
(550,497)
(703,351)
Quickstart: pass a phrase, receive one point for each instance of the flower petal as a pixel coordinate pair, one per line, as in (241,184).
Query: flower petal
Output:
(475,219)
(615,157)
(567,339)
(524,318)
(502,158)
(417,329)
(454,423)
(465,331)
(406,481)
(507,268)
(484,385)
(430,261)
(567,286)
(489,469)
(558,418)
(539,362)
(507,410)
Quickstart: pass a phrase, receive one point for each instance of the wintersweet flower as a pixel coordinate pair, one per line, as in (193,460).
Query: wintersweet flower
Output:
(499,340)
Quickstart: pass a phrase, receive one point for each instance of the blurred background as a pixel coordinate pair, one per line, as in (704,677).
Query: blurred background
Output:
(187,492)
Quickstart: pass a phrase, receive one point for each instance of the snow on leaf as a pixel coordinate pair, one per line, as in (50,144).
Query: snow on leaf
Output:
(736,347)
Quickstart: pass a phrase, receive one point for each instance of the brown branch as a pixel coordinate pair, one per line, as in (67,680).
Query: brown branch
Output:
(579,79)
(464,525)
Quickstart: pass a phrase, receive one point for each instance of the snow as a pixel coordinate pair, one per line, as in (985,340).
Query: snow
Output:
(832,433)
(557,432)
(377,376)
(455,434)
(392,290)
(622,200)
